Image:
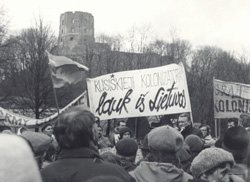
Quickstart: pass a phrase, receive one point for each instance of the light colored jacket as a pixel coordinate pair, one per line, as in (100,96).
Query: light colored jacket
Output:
(160,172)
(209,141)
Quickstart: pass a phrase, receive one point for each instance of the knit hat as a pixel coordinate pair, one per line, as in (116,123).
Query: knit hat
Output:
(208,159)
(194,142)
(126,147)
(165,139)
(17,161)
(124,130)
(39,141)
(45,126)
(236,141)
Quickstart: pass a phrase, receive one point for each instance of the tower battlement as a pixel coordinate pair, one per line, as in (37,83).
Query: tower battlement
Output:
(76,29)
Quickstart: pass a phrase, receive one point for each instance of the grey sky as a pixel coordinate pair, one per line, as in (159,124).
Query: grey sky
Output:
(222,23)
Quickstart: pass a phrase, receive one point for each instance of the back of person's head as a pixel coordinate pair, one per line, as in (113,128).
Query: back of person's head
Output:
(245,120)
(39,141)
(127,147)
(111,158)
(17,162)
(165,139)
(236,140)
(165,120)
(208,159)
(195,143)
(74,128)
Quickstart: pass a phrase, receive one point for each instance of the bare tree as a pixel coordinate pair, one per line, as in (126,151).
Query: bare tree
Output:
(139,38)
(33,86)
(115,42)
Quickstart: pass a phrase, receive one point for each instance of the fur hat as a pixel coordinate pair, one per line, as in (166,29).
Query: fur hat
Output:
(110,157)
(236,141)
(208,159)
(39,141)
(165,139)
(126,147)
(124,130)
(194,142)
(17,161)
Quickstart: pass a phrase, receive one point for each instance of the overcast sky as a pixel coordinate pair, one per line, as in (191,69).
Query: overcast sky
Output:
(222,23)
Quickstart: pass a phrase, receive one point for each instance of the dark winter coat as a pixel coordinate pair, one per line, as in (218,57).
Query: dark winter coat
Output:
(191,130)
(78,165)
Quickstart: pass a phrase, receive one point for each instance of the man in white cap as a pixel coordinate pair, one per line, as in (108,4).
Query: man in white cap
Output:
(212,165)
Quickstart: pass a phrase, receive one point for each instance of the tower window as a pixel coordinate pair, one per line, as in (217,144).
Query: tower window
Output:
(72,30)
(73,20)
(71,38)
(85,30)
(62,22)
(62,31)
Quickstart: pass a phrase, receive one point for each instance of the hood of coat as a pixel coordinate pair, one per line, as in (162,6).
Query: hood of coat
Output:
(160,172)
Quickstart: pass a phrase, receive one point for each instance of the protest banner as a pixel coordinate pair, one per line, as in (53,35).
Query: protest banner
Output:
(16,120)
(230,99)
(146,92)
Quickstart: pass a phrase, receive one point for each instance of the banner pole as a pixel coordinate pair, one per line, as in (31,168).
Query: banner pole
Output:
(54,90)
(219,128)
(136,128)
(216,129)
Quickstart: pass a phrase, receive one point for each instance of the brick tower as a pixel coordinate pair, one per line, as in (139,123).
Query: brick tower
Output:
(76,31)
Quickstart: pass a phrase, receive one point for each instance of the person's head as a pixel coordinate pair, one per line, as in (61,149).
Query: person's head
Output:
(5,129)
(121,124)
(47,129)
(236,141)
(17,161)
(39,142)
(184,120)
(195,143)
(231,123)
(165,141)
(245,120)
(127,148)
(212,164)
(205,130)
(76,128)
(111,158)
(100,130)
(125,132)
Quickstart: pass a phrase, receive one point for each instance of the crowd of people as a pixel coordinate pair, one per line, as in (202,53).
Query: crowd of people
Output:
(75,149)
